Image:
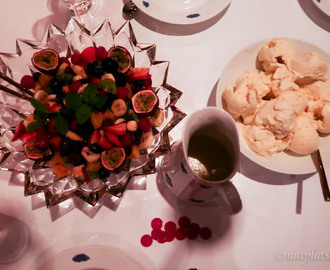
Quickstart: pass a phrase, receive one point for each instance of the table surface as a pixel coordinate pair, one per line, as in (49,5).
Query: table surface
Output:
(284,220)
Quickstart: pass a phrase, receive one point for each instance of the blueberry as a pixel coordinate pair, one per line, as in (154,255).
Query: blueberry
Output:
(110,65)
(75,158)
(66,146)
(56,85)
(95,148)
(121,79)
(104,173)
(36,76)
(69,70)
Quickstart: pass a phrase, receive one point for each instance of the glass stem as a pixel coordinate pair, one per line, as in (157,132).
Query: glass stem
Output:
(73,5)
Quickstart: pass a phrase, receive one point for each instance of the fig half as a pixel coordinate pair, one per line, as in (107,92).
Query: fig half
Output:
(33,152)
(122,57)
(46,61)
(144,102)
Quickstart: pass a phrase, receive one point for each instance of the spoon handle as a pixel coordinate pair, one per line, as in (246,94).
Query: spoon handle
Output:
(323,178)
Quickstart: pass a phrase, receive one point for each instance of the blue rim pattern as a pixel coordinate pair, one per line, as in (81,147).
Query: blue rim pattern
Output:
(80,258)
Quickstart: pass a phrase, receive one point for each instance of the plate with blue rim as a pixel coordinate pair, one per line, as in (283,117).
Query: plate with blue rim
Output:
(182,12)
(323,5)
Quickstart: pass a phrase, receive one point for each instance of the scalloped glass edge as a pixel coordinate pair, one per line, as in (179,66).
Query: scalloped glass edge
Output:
(38,177)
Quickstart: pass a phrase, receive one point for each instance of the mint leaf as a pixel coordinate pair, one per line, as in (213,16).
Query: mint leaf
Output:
(73,100)
(83,113)
(38,105)
(34,126)
(61,124)
(108,85)
(98,101)
(89,93)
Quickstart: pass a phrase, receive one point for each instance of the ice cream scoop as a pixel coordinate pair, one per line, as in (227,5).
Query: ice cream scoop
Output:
(323,124)
(262,141)
(278,116)
(318,89)
(297,99)
(305,139)
(308,67)
(276,53)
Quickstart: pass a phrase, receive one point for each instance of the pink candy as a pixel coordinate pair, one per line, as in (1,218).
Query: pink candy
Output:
(185,229)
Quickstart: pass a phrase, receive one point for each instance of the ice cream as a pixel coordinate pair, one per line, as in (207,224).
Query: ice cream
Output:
(262,141)
(246,96)
(278,116)
(305,139)
(308,67)
(276,53)
(286,106)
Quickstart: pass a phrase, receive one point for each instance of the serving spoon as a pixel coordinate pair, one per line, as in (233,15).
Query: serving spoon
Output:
(323,178)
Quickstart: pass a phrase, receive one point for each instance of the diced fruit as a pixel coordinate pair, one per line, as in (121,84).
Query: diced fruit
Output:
(77,171)
(108,85)
(140,73)
(132,125)
(113,158)
(122,92)
(94,137)
(119,129)
(89,156)
(119,107)
(146,140)
(96,119)
(144,101)
(28,82)
(46,60)
(74,136)
(75,59)
(34,153)
(55,142)
(122,57)
(108,114)
(28,136)
(74,125)
(74,86)
(44,80)
(55,107)
(144,124)
(126,139)
(94,166)
(57,158)
(113,139)
(65,60)
(104,142)
(61,170)
(19,131)
(157,119)
(88,55)
(135,152)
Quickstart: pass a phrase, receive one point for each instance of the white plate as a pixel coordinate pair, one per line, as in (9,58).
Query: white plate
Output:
(94,252)
(285,162)
(323,5)
(182,11)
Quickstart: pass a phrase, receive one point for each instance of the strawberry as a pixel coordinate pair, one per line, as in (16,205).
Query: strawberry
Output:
(113,139)
(119,129)
(55,107)
(88,55)
(141,73)
(104,142)
(94,137)
(28,136)
(101,53)
(19,131)
(122,92)
(75,58)
(55,142)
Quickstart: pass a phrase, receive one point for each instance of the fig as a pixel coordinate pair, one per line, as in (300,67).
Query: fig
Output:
(33,152)
(46,61)
(113,158)
(144,102)
(122,57)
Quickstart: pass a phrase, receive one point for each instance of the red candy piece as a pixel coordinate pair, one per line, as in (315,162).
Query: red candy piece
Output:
(156,223)
(193,231)
(146,240)
(170,226)
(155,234)
(169,236)
(205,233)
(180,234)
(28,82)
(161,237)
(184,222)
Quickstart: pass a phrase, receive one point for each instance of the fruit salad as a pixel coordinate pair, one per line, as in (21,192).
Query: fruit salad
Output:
(93,112)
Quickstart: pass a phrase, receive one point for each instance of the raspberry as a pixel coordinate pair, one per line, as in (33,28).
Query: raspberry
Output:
(144,124)
(146,240)
(28,82)
(74,86)
(75,59)
(126,139)
(122,92)
(101,53)
(88,55)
